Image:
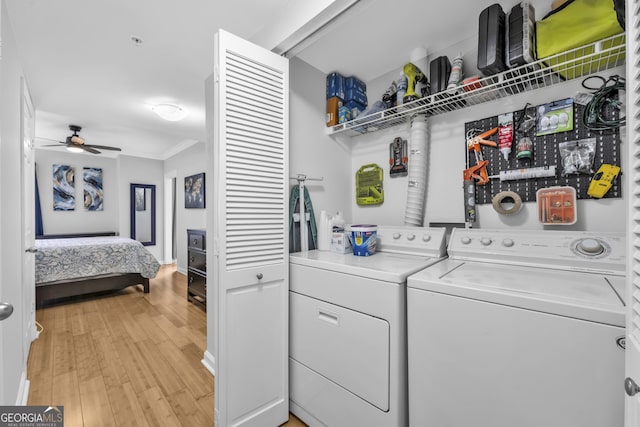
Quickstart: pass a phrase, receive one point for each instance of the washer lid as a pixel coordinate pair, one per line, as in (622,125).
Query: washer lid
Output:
(385,266)
(588,296)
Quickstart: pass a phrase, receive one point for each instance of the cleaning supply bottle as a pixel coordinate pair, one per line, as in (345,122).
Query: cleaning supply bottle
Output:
(456,72)
(337,222)
(401,88)
(324,232)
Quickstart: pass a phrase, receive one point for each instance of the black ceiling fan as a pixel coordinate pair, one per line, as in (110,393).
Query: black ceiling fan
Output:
(77,143)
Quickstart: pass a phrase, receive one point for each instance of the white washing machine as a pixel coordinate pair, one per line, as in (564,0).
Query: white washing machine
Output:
(347,345)
(519,328)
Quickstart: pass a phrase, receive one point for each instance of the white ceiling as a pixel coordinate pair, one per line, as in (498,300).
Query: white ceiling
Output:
(82,67)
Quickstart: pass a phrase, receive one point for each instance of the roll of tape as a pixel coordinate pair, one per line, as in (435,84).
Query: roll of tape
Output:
(501,196)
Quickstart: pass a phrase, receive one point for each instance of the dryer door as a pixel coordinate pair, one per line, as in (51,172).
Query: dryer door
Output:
(345,346)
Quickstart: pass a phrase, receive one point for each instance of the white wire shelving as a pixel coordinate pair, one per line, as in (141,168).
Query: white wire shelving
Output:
(579,62)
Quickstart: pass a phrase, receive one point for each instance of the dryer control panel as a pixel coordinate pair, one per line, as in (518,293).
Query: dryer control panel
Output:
(566,250)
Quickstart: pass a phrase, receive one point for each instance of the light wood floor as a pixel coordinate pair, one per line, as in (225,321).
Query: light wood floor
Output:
(126,359)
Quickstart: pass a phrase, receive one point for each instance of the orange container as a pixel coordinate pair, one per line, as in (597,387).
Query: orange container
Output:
(557,205)
(333,105)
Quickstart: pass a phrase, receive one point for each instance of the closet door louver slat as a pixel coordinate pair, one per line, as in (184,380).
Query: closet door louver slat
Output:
(256,162)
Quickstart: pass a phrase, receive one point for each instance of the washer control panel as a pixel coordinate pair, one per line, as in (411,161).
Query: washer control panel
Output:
(570,250)
(412,240)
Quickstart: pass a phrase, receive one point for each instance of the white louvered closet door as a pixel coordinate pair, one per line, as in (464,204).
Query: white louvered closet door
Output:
(632,403)
(250,220)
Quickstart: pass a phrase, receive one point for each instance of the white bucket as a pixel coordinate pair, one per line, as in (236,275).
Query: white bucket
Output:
(363,239)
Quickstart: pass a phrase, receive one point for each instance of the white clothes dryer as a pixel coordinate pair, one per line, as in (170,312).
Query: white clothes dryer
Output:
(347,348)
(519,328)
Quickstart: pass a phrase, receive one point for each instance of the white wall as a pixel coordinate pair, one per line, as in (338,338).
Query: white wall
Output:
(312,152)
(79,220)
(137,170)
(188,162)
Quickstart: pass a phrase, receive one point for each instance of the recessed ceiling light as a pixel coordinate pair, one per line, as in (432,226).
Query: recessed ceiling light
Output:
(170,112)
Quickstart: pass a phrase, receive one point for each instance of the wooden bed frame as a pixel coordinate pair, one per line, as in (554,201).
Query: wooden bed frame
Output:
(88,285)
(57,289)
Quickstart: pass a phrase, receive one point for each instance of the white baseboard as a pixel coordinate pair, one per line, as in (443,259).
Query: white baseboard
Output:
(23,391)
(182,270)
(209,362)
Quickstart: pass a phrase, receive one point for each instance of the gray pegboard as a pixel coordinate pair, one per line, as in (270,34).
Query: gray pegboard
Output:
(545,153)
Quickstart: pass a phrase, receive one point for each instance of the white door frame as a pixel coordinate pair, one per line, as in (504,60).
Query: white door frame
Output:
(168,216)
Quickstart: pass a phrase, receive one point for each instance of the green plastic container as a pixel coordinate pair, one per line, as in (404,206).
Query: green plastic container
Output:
(369,189)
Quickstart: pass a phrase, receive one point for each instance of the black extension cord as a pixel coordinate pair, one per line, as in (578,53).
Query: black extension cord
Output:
(605,96)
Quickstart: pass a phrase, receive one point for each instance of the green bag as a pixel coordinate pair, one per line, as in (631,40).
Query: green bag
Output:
(575,24)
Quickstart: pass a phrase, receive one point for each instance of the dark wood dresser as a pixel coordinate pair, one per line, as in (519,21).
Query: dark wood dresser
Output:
(197,267)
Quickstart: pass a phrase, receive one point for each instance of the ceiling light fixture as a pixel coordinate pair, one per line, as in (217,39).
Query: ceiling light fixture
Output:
(170,112)
(75,149)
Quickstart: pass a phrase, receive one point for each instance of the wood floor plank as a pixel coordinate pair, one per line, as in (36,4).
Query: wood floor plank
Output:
(157,409)
(67,394)
(95,322)
(176,335)
(126,407)
(79,324)
(60,317)
(63,352)
(111,366)
(163,371)
(207,405)
(150,328)
(96,409)
(135,364)
(186,408)
(86,357)
(195,376)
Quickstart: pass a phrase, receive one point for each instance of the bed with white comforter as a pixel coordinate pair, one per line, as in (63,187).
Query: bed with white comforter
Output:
(74,266)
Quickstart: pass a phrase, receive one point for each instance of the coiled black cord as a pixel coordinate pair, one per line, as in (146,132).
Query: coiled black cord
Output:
(604,96)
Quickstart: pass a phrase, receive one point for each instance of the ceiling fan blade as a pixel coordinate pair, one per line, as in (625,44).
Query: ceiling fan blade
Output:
(87,148)
(103,147)
(49,139)
(52,145)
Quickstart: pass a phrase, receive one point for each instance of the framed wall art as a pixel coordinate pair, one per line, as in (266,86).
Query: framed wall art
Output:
(64,189)
(194,191)
(93,196)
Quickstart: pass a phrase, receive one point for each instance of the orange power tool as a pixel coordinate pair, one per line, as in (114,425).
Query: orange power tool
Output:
(476,173)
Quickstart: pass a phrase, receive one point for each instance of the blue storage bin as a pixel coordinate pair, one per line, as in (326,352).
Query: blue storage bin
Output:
(357,95)
(355,83)
(335,85)
(355,108)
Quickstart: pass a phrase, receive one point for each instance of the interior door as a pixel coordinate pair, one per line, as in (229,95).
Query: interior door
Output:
(632,382)
(28,217)
(12,358)
(249,166)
